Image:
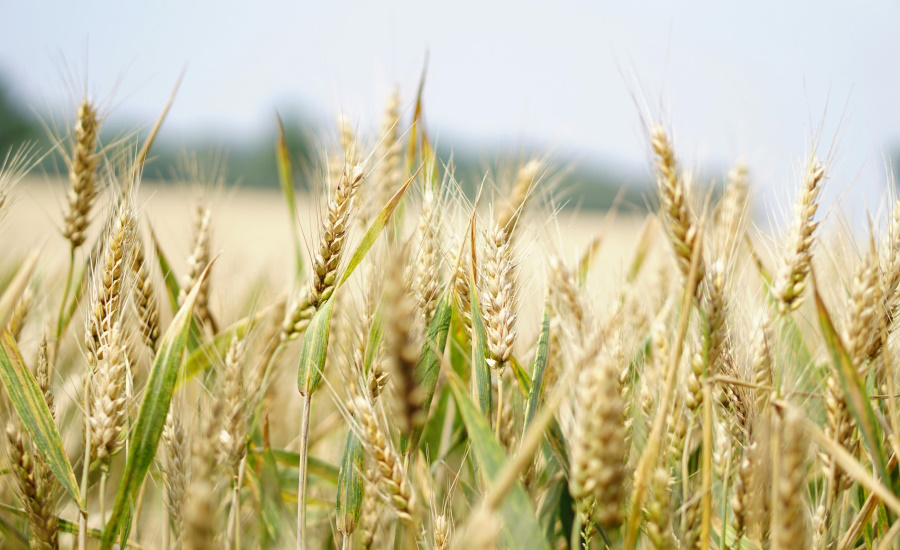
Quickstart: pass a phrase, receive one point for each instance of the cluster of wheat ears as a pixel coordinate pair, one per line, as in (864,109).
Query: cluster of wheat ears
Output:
(716,404)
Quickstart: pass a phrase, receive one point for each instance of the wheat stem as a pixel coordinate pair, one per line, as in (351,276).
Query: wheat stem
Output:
(301,473)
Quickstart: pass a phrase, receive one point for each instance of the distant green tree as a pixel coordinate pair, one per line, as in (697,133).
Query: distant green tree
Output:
(16,126)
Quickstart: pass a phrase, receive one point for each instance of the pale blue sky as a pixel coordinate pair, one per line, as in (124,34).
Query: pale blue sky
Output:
(734,79)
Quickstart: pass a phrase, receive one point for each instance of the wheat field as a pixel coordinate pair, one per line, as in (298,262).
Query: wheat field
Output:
(387,362)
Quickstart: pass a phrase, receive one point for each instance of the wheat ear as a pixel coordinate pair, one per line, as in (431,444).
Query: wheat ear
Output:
(82,174)
(598,444)
(200,507)
(20,314)
(334,231)
(108,409)
(499,298)
(391,475)
(428,260)
(790,280)
(681,222)
(109,276)
(526,177)
(34,483)
(387,174)
(789,528)
(404,354)
(197,262)
(144,296)
(175,467)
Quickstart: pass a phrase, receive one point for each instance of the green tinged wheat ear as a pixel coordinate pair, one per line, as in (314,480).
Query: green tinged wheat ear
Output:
(391,475)
(83,165)
(297,317)
(789,527)
(680,220)
(331,243)
(790,279)
(34,484)
(598,444)
(197,262)
(201,503)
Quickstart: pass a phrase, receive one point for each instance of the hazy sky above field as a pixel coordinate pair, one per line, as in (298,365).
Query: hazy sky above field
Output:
(751,79)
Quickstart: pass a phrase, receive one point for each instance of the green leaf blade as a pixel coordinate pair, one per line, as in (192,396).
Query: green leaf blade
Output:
(349,498)
(428,367)
(28,401)
(538,367)
(481,371)
(521,528)
(853,388)
(314,350)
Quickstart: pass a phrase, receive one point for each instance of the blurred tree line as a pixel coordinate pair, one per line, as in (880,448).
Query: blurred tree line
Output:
(252,163)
